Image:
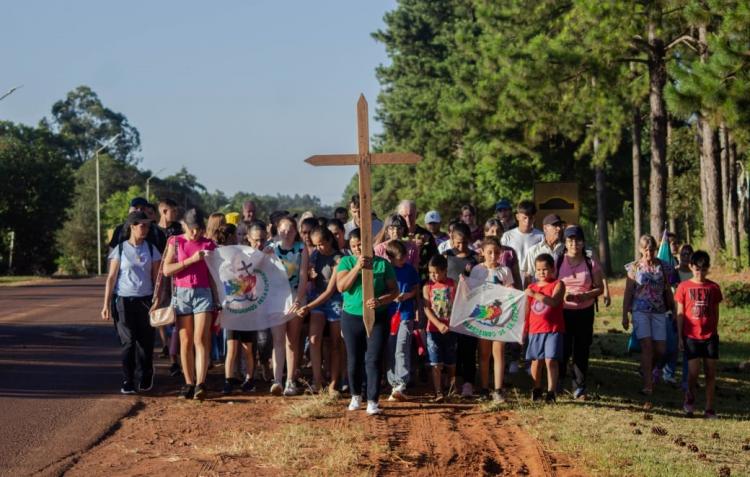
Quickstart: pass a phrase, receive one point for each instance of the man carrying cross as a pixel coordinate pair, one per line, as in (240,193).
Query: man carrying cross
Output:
(367,283)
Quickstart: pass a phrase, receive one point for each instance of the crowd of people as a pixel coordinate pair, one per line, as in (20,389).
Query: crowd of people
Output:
(416,271)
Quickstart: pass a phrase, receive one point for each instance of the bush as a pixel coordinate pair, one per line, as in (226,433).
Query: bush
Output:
(737,294)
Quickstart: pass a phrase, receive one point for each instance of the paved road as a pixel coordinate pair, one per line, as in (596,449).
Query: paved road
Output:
(59,375)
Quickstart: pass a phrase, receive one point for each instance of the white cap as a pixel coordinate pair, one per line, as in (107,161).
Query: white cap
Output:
(432,217)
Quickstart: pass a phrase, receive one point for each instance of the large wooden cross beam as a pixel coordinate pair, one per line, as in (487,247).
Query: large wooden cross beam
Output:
(364,160)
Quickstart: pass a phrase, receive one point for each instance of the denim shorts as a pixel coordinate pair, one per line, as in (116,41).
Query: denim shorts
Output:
(441,348)
(650,325)
(331,309)
(545,346)
(188,301)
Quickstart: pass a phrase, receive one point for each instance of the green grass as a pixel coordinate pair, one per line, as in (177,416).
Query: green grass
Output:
(14,279)
(612,434)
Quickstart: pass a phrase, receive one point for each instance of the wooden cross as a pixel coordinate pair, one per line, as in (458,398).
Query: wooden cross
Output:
(364,160)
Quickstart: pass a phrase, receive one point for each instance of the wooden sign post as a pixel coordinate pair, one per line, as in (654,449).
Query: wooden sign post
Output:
(364,160)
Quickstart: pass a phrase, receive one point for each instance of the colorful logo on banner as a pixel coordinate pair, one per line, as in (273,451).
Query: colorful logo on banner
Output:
(247,290)
(489,311)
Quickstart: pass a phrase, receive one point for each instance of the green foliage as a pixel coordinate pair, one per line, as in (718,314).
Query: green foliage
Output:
(37,189)
(84,123)
(737,294)
(115,208)
(76,238)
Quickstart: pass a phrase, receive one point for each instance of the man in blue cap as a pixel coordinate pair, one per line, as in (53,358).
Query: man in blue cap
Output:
(504,213)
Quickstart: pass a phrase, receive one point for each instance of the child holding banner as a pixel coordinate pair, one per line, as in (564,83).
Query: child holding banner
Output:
(438,295)
(491,271)
(544,326)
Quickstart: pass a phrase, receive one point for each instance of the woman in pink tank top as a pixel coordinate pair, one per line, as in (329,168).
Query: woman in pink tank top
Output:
(193,300)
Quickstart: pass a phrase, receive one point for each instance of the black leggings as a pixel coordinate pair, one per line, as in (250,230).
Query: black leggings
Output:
(130,315)
(467,358)
(579,333)
(364,355)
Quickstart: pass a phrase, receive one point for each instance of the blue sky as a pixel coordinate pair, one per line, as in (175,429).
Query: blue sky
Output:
(239,92)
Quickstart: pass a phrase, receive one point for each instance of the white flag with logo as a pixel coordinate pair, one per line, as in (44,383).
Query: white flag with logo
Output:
(489,311)
(253,288)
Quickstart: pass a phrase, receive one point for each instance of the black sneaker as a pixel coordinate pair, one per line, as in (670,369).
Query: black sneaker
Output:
(200,392)
(147,382)
(127,387)
(228,387)
(536,395)
(248,386)
(174,369)
(484,394)
(165,352)
(550,397)
(187,392)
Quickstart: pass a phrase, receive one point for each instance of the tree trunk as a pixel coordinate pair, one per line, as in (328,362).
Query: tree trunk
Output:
(636,156)
(724,169)
(657,70)
(670,182)
(601,215)
(713,227)
(733,203)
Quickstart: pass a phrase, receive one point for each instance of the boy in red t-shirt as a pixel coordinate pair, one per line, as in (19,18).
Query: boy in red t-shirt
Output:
(544,326)
(438,296)
(697,319)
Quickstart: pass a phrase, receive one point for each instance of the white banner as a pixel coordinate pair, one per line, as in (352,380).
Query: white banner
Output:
(253,288)
(488,311)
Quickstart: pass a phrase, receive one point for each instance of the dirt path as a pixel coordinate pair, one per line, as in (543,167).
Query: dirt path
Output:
(260,436)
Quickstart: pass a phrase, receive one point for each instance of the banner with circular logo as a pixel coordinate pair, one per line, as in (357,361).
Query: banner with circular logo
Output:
(488,310)
(253,288)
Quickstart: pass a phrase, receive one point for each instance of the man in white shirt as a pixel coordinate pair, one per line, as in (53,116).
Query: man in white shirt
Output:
(525,236)
(552,244)
(377,224)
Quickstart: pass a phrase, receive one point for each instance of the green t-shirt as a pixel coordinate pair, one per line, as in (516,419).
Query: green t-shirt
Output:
(382,271)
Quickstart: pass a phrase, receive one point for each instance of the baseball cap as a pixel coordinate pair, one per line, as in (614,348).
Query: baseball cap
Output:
(232,218)
(503,204)
(137,217)
(432,217)
(574,231)
(138,202)
(552,219)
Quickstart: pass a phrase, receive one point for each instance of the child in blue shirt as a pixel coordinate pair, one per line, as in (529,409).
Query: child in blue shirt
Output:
(402,312)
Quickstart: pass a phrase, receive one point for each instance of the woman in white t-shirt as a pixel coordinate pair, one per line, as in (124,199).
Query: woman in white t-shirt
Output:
(133,266)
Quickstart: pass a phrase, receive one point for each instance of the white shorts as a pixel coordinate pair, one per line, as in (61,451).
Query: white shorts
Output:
(650,325)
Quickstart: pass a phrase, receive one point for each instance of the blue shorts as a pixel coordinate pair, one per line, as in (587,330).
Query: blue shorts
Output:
(545,346)
(188,301)
(331,309)
(441,348)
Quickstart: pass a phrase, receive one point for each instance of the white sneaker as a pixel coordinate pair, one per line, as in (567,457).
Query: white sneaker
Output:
(355,403)
(467,390)
(513,368)
(372,408)
(291,389)
(277,389)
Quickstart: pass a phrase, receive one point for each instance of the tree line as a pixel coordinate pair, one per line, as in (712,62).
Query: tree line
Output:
(48,199)
(643,103)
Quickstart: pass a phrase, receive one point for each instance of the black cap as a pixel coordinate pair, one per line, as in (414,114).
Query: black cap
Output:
(574,231)
(137,217)
(194,219)
(552,219)
(138,202)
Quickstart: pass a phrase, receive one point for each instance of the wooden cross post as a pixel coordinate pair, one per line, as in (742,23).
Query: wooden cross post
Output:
(364,160)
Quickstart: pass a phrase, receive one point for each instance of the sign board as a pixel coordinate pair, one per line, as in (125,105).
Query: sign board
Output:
(559,198)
